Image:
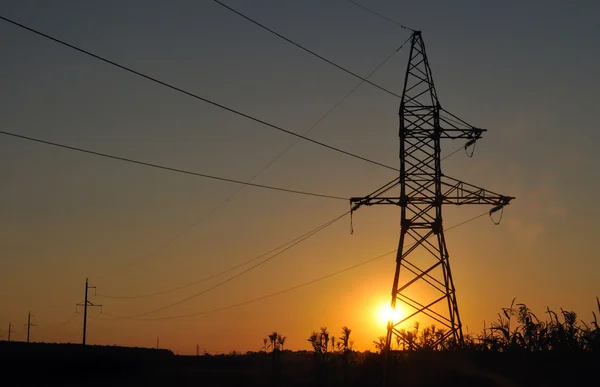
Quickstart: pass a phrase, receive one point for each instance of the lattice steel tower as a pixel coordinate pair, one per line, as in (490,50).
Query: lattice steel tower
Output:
(423,279)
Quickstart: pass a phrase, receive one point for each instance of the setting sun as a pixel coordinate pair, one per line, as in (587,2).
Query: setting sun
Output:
(385,313)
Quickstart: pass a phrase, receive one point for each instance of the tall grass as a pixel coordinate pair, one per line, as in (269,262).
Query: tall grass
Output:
(517,328)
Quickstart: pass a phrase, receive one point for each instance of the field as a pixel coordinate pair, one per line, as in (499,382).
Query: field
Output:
(39,364)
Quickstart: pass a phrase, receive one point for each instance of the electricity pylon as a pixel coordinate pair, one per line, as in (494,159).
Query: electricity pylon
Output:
(425,285)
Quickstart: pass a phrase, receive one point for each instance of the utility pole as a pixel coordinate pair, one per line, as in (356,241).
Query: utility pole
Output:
(85,305)
(29,325)
(157,343)
(9,331)
(424,286)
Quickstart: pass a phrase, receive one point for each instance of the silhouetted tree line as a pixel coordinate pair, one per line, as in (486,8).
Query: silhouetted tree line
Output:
(517,330)
(325,344)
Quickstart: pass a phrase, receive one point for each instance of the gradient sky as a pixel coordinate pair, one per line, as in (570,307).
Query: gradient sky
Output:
(526,71)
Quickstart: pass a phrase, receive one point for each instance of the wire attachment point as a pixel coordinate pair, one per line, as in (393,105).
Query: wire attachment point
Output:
(499,207)
(468,144)
(351,222)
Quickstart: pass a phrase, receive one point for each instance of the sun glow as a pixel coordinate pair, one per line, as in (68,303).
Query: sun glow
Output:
(385,313)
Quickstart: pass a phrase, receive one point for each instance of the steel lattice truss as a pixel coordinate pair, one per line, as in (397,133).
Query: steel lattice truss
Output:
(423,279)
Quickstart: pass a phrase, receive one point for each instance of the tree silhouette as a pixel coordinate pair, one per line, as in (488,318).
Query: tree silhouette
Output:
(379,344)
(316,342)
(273,339)
(345,338)
(264,347)
(281,341)
(324,339)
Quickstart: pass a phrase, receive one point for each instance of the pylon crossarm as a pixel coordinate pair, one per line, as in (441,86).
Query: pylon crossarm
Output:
(373,197)
(467,134)
(459,193)
(454,121)
(372,201)
(456,128)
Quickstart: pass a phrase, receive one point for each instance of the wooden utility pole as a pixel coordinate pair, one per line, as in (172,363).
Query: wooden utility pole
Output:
(85,305)
(29,325)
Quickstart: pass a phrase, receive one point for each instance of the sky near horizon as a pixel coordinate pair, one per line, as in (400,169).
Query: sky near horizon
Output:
(526,71)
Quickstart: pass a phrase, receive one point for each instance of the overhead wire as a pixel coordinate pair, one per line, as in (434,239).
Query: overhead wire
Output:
(379,15)
(207,278)
(335,106)
(196,96)
(214,104)
(305,49)
(237,266)
(267,166)
(41,329)
(68,320)
(287,290)
(320,228)
(163,167)
(452,153)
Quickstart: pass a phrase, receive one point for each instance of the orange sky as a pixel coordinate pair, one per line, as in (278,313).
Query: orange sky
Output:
(134,230)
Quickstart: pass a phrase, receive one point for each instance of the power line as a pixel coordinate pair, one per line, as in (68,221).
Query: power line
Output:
(158,166)
(333,108)
(144,258)
(147,295)
(190,94)
(299,238)
(322,227)
(287,289)
(452,153)
(267,166)
(467,221)
(379,15)
(269,295)
(69,320)
(305,49)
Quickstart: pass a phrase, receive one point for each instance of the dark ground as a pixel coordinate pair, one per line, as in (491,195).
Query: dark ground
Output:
(38,364)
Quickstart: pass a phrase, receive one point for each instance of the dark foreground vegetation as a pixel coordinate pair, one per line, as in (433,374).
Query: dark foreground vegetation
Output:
(516,350)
